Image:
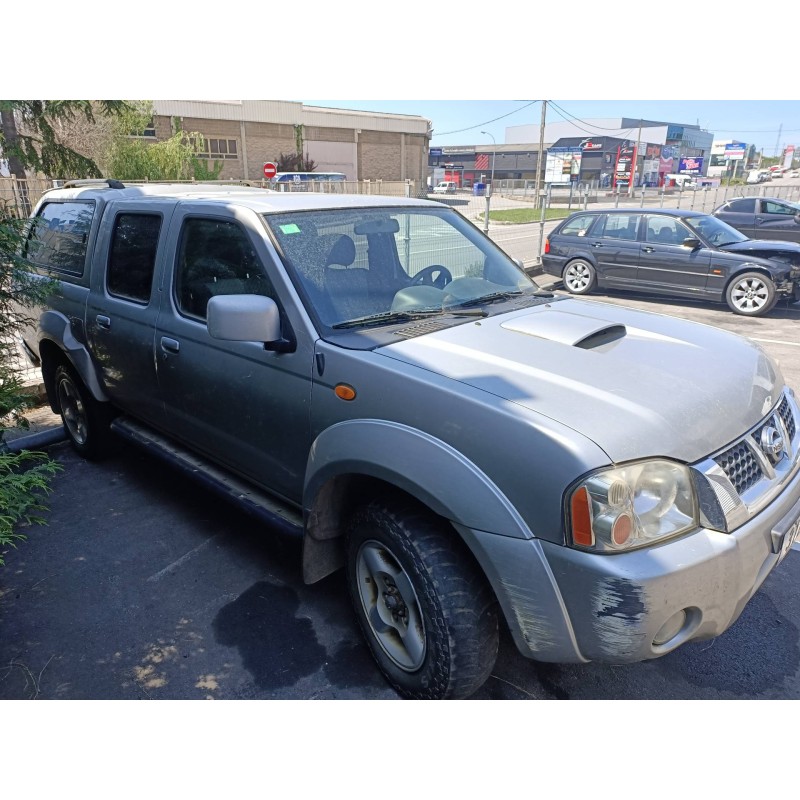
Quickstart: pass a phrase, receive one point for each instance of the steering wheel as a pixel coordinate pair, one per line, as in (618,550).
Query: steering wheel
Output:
(425,276)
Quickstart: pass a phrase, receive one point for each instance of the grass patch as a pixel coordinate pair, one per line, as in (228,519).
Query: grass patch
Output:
(519,216)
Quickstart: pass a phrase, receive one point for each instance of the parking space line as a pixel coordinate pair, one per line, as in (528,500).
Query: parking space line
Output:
(184,558)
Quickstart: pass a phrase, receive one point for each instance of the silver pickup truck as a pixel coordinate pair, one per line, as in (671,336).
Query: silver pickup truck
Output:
(376,375)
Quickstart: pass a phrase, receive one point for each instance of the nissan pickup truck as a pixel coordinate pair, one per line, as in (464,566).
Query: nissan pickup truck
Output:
(377,376)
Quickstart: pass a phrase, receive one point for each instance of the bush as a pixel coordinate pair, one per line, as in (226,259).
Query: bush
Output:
(24,477)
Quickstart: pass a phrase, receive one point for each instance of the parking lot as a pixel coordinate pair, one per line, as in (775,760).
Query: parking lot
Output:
(141,586)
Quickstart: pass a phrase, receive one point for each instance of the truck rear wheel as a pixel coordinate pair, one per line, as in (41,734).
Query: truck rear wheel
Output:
(86,421)
(424,606)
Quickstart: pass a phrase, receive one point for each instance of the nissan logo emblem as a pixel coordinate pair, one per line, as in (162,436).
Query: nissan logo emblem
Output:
(772,444)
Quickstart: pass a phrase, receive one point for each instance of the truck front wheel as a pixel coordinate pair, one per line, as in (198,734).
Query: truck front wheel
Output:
(424,606)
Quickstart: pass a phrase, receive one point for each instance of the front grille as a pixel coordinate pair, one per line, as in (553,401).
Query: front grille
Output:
(786,415)
(740,466)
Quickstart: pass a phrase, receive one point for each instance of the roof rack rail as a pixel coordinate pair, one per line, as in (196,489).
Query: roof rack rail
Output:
(110,182)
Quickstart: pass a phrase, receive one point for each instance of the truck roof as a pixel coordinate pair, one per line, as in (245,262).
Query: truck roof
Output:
(260,200)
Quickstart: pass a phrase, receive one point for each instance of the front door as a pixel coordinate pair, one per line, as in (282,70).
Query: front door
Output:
(237,402)
(666,265)
(777,220)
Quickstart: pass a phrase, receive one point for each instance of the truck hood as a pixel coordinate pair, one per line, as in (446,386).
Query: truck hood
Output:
(637,384)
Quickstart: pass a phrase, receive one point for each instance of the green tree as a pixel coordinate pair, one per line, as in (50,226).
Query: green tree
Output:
(29,137)
(131,156)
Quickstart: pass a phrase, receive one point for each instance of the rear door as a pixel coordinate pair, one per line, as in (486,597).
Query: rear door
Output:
(615,243)
(123,304)
(776,220)
(740,214)
(667,266)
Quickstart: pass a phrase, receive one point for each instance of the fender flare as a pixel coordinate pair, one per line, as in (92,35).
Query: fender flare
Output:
(55,327)
(423,466)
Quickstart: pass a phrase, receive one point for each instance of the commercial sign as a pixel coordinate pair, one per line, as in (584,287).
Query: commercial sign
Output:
(690,166)
(436,152)
(788,157)
(590,145)
(735,151)
(563,164)
(626,156)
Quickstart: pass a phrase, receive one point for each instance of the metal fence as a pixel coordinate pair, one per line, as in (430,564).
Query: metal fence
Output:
(522,240)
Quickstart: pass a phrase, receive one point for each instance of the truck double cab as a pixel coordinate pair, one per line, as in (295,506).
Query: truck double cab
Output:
(378,376)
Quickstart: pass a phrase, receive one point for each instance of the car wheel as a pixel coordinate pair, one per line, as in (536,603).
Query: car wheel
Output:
(424,606)
(579,277)
(86,421)
(751,294)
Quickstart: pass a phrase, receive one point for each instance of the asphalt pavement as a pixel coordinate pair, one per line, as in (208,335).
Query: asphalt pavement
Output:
(141,586)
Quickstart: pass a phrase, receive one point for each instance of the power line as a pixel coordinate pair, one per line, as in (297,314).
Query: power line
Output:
(620,133)
(481,124)
(584,121)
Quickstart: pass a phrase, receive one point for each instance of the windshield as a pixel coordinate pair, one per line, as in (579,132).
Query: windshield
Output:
(378,265)
(715,231)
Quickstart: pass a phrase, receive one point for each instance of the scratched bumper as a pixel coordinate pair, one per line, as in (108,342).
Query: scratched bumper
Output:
(565,605)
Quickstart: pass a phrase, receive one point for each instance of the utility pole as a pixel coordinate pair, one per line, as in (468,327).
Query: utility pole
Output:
(539,174)
(539,155)
(778,143)
(633,161)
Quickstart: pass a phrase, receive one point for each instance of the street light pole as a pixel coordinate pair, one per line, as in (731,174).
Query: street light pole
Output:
(491,179)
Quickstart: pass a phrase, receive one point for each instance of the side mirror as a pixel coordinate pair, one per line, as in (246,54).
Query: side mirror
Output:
(246,318)
(691,243)
(797,218)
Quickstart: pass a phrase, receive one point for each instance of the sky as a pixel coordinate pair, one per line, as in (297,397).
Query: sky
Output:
(764,123)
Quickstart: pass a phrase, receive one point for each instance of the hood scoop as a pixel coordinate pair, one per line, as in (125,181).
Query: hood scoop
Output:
(575,330)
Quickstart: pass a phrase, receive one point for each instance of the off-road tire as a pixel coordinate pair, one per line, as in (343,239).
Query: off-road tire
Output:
(456,607)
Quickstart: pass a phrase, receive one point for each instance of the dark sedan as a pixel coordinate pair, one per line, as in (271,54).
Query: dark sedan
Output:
(762,217)
(672,252)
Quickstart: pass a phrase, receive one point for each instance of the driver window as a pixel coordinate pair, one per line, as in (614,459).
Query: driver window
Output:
(215,257)
(777,208)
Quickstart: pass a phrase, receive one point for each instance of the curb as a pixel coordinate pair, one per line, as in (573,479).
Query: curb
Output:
(35,441)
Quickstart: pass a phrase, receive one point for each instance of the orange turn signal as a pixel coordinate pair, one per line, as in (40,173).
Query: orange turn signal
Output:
(582,533)
(344,392)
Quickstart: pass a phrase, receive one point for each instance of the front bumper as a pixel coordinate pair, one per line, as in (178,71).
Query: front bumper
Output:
(565,605)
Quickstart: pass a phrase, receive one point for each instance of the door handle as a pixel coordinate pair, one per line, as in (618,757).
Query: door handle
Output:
(648,249)
(103,322)
(759,219)
(170,345)
(597,244)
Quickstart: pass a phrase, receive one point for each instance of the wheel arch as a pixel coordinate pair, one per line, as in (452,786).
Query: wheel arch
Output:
(58,345)
(361,459)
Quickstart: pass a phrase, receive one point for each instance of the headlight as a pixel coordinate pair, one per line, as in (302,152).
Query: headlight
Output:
(632,506)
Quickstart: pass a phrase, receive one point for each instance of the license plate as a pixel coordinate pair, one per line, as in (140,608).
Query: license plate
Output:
(791,536)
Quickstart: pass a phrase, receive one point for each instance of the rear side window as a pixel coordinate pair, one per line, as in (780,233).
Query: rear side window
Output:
(59,236)
(578,226)
(132,259)
(621,226)
(747,205)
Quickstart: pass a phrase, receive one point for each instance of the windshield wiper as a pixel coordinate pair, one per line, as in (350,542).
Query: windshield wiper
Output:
(405,316)
(491,298)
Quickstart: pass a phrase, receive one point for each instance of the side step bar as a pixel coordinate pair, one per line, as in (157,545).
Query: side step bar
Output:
(243,494)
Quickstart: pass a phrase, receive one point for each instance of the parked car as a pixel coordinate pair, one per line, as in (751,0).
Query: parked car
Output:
(762,217)
(672,252)
(445,187)
(376,376)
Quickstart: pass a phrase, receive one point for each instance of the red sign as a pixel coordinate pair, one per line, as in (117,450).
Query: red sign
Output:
(270,170)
